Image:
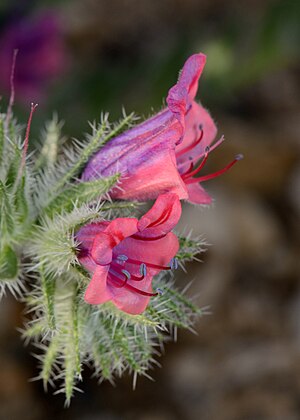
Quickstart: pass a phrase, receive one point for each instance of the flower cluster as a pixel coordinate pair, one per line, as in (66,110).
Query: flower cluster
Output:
(160,158)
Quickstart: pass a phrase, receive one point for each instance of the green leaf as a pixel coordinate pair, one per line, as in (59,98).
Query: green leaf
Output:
(49,360)
(51,141)
(20,201)
(98,140)
(48,287)
(80,193)
(6,213)
(9,264)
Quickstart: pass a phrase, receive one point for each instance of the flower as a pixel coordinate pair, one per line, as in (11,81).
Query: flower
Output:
(41,54)
(159,155)
(124,254)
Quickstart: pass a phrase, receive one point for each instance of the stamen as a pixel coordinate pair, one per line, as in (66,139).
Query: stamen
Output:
(202,154)
(115,270)
(25,146)
(149,265)
(159,291)
(195,171)
(189,170)
(115,276)
(174,263)
(122,257)
(215,174)
(143,269)
(139,291)
(192,145)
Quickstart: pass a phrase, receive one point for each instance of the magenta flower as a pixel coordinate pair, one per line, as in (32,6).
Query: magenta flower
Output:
(123,255)
(41,54)
(161,154)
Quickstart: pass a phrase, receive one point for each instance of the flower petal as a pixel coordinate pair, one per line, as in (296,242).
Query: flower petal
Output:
(152,251)
(161,218)
(114,233)
(158,252)
(132,302)
(87,234)
(197,115)
(181,95)
(198,195)
(97,291)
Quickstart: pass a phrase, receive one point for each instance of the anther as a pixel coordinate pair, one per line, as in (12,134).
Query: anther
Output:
(126,273)
(215,174)
(143,269)
(239,157)
(122,257)
(174,263)
(159,291)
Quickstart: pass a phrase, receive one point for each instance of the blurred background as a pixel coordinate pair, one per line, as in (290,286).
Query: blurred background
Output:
(81,57)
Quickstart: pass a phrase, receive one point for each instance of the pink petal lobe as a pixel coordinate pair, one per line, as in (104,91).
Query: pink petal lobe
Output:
(158,252)
(162,217)
(197,116)
(87,233)
(97,291)
(113,234)
(198,195)
(181,95)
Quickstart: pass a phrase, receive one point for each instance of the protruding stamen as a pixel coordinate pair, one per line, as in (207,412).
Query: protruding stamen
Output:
(189,175)
(26,141)
(126,273)
(192,145)
(207,149)
(149,265)
(174,263)
(215,174)
(143,269)
(188,170)
(115,277)
(159,291)
(25,146)
(122,257)
(139,291)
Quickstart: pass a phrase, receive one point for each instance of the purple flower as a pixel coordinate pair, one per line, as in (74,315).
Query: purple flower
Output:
(41,54)
(162,154)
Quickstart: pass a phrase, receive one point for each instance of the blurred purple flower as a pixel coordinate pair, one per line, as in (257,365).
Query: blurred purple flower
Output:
(41,54)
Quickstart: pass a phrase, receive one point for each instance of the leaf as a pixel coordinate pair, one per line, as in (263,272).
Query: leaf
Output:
(98,140)
(20,201)
(6,213)
(9,263)
(48,287)
(52,139)
(49,360)
(81,193)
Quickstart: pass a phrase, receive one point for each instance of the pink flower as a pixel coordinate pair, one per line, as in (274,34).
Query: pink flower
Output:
(123,255)
(160,154)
